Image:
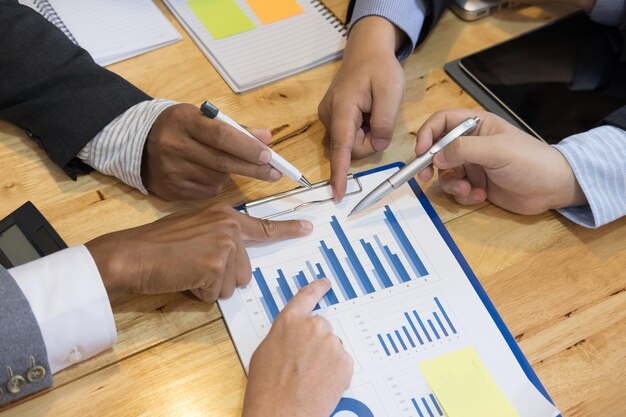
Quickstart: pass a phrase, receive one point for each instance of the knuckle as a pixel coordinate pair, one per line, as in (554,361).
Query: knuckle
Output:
(269,227)
(226,244)
(221,132)
(214,292)
(339,145)
(212,190)
(222,208)
(285,317)
(216,265)
(211,290)
(319,325)
(223,162)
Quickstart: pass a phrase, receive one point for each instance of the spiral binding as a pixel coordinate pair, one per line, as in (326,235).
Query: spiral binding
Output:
(47,11)
(330,16)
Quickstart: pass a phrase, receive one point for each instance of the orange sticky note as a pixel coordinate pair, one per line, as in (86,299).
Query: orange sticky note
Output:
(269,11)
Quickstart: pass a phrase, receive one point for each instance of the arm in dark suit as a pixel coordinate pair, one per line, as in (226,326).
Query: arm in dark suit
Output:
(21,338)
(53,89)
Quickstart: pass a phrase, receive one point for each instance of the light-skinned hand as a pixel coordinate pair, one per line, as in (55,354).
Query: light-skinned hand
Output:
(189,156)
(301,368)
(361,105)
(198,250)
(500,163)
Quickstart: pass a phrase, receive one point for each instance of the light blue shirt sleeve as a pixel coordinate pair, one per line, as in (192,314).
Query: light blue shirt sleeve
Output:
(598,160)
(609,12)
(407,15)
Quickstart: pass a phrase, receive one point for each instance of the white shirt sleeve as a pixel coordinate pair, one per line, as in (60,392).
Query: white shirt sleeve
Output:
(117,149)
(70,303)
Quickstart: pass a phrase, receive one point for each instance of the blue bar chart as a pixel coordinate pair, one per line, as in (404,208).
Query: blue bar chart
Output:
(404,329)
(356,265)
(427,406)
(413,396)
(416,328)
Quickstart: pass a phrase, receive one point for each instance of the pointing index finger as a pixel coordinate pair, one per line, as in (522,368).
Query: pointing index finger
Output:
(307,298)
(264,230)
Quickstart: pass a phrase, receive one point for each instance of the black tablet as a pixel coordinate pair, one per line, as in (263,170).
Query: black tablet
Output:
(553,82)
(25,235)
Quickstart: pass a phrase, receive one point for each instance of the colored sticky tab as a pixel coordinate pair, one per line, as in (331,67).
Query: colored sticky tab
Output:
(464,387)
(222,18)
(269,11)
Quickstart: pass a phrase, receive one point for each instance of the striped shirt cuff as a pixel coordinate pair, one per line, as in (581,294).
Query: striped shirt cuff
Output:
(598,160)
(609,12)
(407,15)
(117,149)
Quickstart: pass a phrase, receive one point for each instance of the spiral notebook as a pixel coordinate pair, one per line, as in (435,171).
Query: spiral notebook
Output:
(111,30)
(254,42)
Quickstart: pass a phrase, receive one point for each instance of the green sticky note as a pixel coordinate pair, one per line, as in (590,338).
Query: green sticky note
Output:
(222,18)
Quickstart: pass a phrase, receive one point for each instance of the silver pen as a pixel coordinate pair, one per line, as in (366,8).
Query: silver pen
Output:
(412,168)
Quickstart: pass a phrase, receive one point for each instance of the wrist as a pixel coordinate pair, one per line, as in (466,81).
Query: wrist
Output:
(374,34)
(568,192)
(107,256)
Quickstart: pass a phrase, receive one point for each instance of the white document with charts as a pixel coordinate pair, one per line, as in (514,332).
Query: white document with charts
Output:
(401,294)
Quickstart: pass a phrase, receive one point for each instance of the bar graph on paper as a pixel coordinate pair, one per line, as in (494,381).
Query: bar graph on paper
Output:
(413,396)
(357,265)
(407,328)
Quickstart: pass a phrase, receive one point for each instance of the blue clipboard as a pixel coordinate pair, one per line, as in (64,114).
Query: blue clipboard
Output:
(510,340)
(432,214)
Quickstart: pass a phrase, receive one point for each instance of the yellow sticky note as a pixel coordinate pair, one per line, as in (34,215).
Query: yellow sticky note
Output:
(222,18)
(464,387)
(269,11)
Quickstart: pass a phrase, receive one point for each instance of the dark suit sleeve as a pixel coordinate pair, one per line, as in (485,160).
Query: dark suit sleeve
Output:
(434,10)
(20,338)
(53,89)
(617,118)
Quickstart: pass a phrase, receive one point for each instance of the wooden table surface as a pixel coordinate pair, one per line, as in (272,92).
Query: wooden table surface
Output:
(560,288)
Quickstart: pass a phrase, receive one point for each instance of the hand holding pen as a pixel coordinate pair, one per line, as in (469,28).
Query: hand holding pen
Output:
(275,160)
(500,163)
(189,156)
(420,163)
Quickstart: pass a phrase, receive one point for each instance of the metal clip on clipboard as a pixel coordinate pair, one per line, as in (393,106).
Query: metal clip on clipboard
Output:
(298,198)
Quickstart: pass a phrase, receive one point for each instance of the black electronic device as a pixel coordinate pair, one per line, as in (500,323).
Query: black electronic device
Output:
(553,82)
(25,235)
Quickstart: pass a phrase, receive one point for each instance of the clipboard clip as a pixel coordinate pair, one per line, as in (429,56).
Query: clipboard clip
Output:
(293,200)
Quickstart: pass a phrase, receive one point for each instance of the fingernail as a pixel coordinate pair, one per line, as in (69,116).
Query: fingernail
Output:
(306,226)
(380,144)
(456,189)
(439,159)
(274,175)
(265,156)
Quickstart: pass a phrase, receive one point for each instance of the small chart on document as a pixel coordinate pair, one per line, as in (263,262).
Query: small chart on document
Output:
(413,397)
(373,257)
(407,327)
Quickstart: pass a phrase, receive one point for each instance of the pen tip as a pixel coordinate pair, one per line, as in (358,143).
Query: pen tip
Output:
(305,182)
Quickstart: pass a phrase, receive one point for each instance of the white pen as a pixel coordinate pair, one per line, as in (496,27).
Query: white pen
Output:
(409,170)
(277,161)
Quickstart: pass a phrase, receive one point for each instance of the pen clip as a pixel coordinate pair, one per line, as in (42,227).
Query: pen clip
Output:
(290,202)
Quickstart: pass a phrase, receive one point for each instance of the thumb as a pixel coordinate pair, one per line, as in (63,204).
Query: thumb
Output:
(263,229)
(307,298)
(487,151)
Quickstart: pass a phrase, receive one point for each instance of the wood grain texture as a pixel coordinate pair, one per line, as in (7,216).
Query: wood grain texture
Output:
(560,288)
